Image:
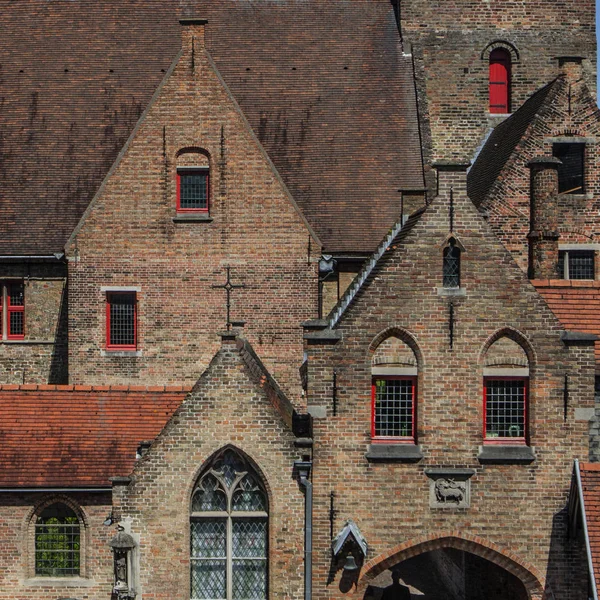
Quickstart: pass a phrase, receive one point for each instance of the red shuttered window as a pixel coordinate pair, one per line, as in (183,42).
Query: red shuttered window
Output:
(500,81)
(12,310)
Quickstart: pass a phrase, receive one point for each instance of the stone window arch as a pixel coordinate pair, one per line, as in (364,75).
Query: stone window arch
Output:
(506,392)
(394,377)
(229,531)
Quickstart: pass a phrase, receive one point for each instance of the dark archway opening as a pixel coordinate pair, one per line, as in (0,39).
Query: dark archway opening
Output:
(449,574)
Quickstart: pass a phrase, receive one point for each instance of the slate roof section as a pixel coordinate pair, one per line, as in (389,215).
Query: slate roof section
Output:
(330,95)
(501,144)
(74,79)
(590,483)
(88,434)
(576,303)
(324,85)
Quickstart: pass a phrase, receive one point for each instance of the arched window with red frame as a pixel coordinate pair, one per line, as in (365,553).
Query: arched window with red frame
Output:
(500,72)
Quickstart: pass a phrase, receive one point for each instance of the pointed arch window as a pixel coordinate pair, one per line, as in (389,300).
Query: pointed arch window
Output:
(229,527)
(451,265)
(499,80)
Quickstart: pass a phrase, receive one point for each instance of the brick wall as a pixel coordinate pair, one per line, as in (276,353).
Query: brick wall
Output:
(515,508)
(41,357)
(131,237)
(449,41)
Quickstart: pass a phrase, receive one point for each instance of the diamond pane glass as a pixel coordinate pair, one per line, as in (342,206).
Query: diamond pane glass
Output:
(249,538)
(249,580)
(209,496)
(193,191)
(229,466)
(248,496)
(209,538)
(122,319)
(209,579)
(451,267)
(394,407)
(505,408)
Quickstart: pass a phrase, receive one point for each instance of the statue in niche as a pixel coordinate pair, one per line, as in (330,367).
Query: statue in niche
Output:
(396,591)
(448,490)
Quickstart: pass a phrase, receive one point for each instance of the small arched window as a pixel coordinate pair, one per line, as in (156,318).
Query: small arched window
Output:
(394,392)
(57,542)
(229,525)
(499,80)
(451,265)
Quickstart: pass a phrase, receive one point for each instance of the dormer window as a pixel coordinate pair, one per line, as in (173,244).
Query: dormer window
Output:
(571,173)
(192,189)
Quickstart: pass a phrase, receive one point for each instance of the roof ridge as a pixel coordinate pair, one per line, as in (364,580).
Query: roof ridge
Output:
(42,387)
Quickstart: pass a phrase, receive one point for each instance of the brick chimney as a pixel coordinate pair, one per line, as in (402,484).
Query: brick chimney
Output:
(451,175)
(571,67)
(192,36)
(543,211)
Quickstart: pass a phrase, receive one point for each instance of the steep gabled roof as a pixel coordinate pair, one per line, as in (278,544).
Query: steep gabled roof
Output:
(324,85)
(501,144)
(77,436)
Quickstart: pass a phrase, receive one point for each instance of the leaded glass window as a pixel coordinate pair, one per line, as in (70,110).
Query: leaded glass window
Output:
(121,320)
(505,408)
(57,542)
(451,266)
(229,527)
(393,407)
(576,264)
(192,190)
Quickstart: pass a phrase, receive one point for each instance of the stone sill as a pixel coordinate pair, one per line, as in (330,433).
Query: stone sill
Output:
(121,353)
(394,453)
(28,342)
(454,292)
(506,455)
(192,218)
(59,582)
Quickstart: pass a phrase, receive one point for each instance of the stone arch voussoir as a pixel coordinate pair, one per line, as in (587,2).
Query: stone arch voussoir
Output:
(533,581)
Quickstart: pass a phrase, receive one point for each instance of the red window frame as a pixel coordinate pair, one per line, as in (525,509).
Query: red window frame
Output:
(5,294)
(403,439)
(507,440)
(109,345)
(193,171)
(499,81)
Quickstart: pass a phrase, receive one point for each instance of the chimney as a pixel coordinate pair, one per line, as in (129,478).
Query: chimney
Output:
(543,217)
(453,175)
(192,37)
(571,67)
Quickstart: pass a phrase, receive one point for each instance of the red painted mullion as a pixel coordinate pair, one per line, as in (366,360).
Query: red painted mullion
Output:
(10,309)
(110,346)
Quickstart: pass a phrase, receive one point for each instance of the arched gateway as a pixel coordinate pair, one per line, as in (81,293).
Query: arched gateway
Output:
(452,567)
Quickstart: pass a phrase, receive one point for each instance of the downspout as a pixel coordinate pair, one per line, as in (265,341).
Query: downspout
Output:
(303,470)
(585,531)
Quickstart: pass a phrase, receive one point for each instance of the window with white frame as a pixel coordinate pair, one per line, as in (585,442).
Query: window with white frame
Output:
(229,532)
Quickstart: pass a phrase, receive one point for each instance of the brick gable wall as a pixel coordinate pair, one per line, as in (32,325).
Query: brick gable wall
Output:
(129,238)
(516,508)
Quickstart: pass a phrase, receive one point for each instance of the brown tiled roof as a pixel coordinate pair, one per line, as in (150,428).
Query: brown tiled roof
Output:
(330,95)
(575,303)
(501,144)
(590,482)
(324,85)
(77,436)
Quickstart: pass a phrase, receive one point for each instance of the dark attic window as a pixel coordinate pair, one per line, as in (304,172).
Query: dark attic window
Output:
(576,264)
(451,265)
(571,173)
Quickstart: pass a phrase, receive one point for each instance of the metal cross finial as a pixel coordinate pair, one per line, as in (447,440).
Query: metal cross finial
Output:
(228,286)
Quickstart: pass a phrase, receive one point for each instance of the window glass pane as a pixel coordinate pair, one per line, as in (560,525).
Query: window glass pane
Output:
(208,579)
(249,538)
(394,407)
(209,558)
(122,319)
(505,408)
(57,542)
(451,267)
(15,326)
(193,190)
(249,496)
(15,292)
(571,171)
(229,466)
(581,265)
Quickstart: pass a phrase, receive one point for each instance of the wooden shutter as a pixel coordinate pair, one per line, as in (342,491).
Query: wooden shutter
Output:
(499,81)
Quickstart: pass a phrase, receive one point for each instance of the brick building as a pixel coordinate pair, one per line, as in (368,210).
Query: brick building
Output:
(294,299)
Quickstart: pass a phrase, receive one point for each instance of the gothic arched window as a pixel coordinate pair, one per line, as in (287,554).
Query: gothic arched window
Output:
(229,527)
(57,542)
(500,67)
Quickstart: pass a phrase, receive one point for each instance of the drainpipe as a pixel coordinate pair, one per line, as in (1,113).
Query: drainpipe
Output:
(585,531)
(302,469)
